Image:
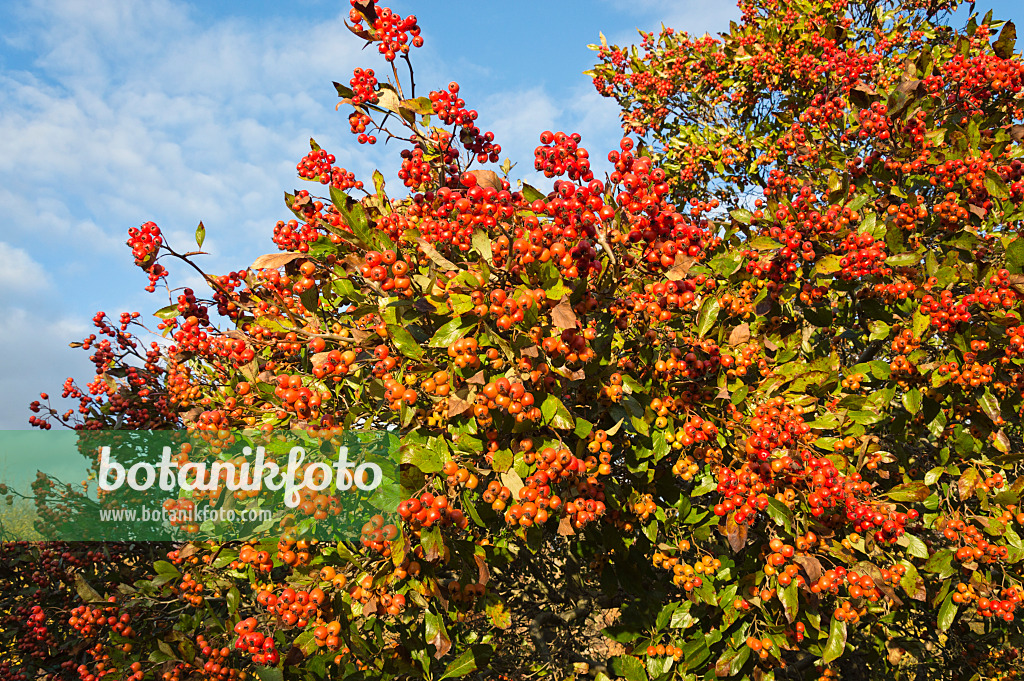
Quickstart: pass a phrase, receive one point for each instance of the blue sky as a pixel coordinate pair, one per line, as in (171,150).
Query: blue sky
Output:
(115,112)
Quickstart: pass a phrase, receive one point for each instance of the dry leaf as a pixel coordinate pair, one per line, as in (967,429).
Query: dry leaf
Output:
(487,178)
(512,480)
(565,527)
(272,261)
(460,402)
(563,316)
(681,268)
(739,335)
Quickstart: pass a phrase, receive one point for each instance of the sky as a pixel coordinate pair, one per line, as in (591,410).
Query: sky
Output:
(116,112)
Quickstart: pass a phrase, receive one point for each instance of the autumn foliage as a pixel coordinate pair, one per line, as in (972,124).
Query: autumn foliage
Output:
(747,407)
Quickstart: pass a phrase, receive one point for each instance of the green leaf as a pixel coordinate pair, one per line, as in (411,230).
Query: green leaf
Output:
(836,641)
(995,186)
(707,316)
(169,312)
(732,661)
(460,666)
(946,613)
(404,341)
(911,491)
(531,193)
(269,674)
(200,234)
(629,668)
(555,413)
(778,511)
(449,333)
(1006,42)
(903,259)
(482,245)
(915,546)
(742,215)
(912,400)
(790,600)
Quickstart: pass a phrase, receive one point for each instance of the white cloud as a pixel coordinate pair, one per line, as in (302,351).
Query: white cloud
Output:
(19,272)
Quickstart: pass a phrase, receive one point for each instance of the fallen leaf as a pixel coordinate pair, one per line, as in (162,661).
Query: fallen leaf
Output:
(487,178)
(681,268)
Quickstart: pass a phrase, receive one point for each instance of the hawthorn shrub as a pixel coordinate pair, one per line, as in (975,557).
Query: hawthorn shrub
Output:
(746,408)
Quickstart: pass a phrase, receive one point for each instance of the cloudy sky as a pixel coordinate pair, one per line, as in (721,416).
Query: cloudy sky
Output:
(115,112)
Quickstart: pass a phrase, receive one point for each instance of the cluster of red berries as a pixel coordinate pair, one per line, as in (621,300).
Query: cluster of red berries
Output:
(291,607)
(364,86)
(391,29)
(428,510)
(318,166)
(945,312)
(376,534)
(560,154)
(358,123)
(251,642)
(415,171)
(145,242)
(451,108)
(864,256)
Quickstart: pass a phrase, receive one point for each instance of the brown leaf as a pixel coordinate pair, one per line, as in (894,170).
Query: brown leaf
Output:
(274,260)
(739,335)
(460,402)
(487,178)
(723,393)
(530,351)
(477,379)
(319,358)
(563,316)
(978,210)
(736,533)
(768,345)
(894,654)
(481,566)
(389,99)
(908,86)
(294,656)
(565,527)
(187,550)
(1017,132)
(681,268)
(370,607)
(431,252)
(811,566)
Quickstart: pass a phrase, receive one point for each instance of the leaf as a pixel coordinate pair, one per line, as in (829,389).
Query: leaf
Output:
(911,491)
(995,186)
(420,105)
(512,480)
(169,312)
(272,261)
(85,591)
(404,341)
(946,613)
(736,533)
(739,335)
(269,674)
(790,600)
(707,315)
(732,662)
(531,193)
(482,245)
(742,215)
(449,333)
(629,667)
(460,666)
(1005,44)
(968,482)
(990,405)
(200,234)
(681,268)
(912,400)
(498,613)
(836,641)
(556,414)
(563,316)
(487,178)
(903,259)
